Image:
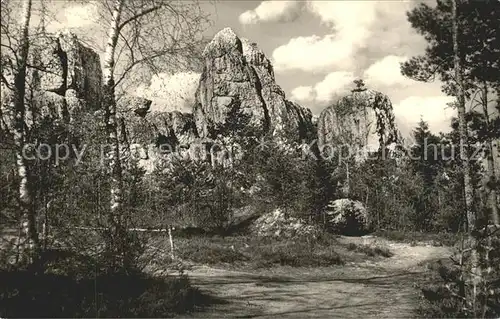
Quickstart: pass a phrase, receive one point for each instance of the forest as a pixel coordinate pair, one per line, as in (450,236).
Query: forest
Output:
(87,229)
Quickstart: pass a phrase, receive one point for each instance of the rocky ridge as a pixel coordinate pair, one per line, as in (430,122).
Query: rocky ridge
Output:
(237,79)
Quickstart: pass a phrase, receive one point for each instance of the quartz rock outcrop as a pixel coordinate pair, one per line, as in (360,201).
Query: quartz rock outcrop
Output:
(286,117)
(69,75)
(364,119)
(278,225)
(237,77)
(227,83)
(66,79)
(173,128)
(146,130)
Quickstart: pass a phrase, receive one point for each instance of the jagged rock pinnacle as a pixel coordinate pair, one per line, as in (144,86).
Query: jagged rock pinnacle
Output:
(225,41)
(364,119)
(239,78)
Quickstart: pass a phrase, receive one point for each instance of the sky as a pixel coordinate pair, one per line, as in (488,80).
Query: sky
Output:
(317,49)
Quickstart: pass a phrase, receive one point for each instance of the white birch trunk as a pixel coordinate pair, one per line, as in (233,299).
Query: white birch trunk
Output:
(29,241)
(110,111)
(171,239)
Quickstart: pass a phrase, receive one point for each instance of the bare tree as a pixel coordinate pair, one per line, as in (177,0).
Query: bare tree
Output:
(144,37)
(14,70)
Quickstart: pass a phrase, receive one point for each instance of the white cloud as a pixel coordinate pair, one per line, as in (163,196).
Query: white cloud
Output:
(272,11)
(171,91)
(350,22)
(333,85)
(313,54)
(303,93)
(349,19)
(76,16)
(432,109)
(81,15)
(387,72)
(360,30)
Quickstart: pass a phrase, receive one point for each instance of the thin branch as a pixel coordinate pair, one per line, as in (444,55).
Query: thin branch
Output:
(4,80)
(137,16)
(133,64)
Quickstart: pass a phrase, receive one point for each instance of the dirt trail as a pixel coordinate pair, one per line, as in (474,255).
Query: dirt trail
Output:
(381,289)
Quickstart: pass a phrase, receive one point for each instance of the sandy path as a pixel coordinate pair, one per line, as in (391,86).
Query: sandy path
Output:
(381,289)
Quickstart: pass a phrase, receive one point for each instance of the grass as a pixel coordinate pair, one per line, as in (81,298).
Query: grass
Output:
(435,239)
(370,251)
(90,292)
(295,254)
(209,250)
(253,253)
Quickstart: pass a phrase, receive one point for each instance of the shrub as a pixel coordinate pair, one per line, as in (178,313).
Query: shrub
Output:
(297,254)
(450,292)
(24,294)
(347,217)
(206,251)
(258,252)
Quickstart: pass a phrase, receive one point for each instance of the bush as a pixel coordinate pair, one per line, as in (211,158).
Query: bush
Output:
(77,285)
(449,292)
(201,250)
(347,217)
(296,254)
(24,294)
(258,252)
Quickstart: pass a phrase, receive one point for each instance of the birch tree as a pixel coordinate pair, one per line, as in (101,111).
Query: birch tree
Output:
(14,70)
(143,38)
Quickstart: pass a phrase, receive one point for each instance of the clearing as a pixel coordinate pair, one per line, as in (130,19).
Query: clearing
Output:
(382,288)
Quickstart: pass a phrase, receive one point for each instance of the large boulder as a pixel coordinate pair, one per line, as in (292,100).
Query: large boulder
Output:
(363,120)
(278,225)
(239,79)
(347,216)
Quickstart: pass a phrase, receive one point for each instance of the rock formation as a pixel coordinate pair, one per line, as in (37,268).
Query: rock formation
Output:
(66,79)
(69,76)
(278,225)
(237,80)
(237,76)
(285,117)
(148,130)
(173,128)
(363,119)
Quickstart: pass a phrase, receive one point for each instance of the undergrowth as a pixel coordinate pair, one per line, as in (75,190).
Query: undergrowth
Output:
(265,252)
(91,292)
(369,250)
